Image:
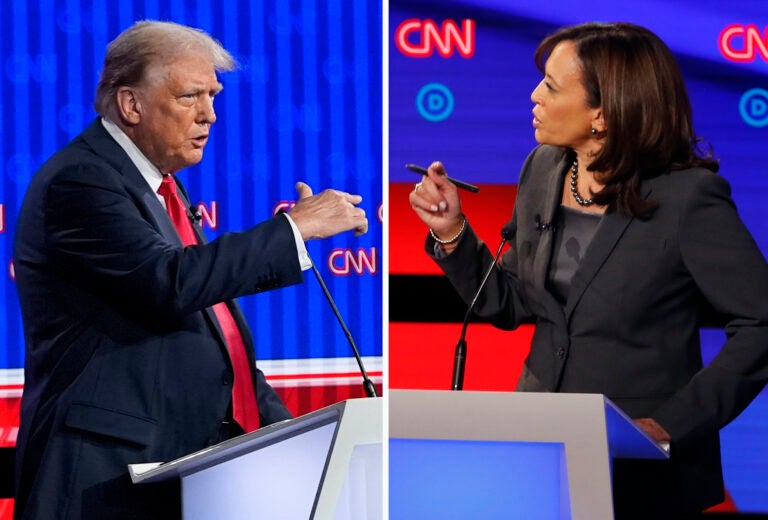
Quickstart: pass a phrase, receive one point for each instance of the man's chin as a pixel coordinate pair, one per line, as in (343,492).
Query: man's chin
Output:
(191,159)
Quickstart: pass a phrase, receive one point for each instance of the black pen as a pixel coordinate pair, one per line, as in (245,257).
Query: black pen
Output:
(458,184)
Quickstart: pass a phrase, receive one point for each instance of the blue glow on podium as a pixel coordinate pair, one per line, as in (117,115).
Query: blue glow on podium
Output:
(477,479)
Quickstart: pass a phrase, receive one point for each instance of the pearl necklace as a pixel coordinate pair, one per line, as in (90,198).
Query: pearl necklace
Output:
(574,189)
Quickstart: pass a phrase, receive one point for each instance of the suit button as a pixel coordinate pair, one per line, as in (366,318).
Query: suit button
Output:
(561,353)
(226,378)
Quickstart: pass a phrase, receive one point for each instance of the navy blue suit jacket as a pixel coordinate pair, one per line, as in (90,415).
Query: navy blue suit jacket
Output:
(124,361)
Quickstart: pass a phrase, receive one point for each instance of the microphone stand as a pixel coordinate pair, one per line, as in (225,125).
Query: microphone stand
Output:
(460,355)
(370,389)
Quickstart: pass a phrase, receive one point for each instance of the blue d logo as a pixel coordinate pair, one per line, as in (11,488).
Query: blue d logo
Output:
(434,102)
(753,107)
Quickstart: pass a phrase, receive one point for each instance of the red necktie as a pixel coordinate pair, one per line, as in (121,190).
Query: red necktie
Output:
(244,407)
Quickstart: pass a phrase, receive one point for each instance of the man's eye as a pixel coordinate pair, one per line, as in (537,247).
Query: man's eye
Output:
(549,87)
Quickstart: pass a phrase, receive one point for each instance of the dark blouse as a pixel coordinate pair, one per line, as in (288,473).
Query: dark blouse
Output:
(574,230)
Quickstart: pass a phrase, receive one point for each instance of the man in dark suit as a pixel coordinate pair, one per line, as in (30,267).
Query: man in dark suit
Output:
(134,345)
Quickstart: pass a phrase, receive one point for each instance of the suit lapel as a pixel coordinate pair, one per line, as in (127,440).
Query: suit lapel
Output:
(102,143)
(202,239)
(550,193)
(607,235)
(160,217)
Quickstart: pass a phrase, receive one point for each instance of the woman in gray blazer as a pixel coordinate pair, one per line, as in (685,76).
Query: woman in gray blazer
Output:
(624,231)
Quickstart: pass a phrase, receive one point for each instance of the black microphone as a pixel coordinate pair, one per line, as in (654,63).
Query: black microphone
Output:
(370,389)
(542,226)
(194,214)
(460,356)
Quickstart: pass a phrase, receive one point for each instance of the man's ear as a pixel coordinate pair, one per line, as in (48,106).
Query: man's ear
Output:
(128,105)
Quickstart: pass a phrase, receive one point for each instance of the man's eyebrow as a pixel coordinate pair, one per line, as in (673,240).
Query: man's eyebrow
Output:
(200,88)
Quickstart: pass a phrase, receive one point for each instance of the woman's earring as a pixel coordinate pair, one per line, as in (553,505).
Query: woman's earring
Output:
(594,131)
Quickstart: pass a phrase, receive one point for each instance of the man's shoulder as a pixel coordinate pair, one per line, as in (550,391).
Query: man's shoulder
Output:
(76,157)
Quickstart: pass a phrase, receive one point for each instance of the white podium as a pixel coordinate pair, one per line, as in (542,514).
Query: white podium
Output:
(507,454)
(323,465)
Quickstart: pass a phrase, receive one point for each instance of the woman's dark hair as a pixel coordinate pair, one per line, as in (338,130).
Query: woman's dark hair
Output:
(633,76)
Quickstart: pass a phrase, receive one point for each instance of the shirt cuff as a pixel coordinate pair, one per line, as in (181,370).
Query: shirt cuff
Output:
(301,248)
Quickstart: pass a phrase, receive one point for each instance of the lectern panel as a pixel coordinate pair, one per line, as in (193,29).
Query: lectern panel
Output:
(287,487)
(477,479)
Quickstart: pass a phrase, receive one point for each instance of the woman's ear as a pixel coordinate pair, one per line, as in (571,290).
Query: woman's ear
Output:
(598,122)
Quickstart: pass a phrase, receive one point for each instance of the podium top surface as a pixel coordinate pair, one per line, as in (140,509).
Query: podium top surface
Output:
(262,437)
(573,419)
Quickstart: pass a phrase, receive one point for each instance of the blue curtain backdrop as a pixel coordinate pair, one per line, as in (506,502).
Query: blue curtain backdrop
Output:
(305,104)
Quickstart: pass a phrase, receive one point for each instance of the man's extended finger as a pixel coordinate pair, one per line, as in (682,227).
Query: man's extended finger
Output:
(353,199)
(304,190)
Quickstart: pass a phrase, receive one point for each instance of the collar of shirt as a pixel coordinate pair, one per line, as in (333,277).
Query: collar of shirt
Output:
(148,170)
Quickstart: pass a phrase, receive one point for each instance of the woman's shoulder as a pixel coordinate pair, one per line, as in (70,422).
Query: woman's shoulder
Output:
(689,179)
(685,187)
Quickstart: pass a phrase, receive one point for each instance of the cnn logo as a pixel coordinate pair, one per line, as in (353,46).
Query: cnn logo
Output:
(743,43)
(345,261)
(421,38)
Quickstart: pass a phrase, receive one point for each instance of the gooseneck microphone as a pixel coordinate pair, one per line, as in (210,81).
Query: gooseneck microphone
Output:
(460,355)
(370,390)
(368,387)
